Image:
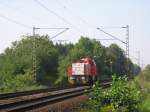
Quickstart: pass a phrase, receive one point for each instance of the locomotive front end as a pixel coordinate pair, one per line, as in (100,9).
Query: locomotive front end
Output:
(82,72)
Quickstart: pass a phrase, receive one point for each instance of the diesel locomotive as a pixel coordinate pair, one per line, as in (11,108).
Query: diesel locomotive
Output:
(82,71)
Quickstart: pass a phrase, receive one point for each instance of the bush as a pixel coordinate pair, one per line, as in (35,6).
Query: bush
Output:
(120,97)
(19,83)
(96,98)
(124,96)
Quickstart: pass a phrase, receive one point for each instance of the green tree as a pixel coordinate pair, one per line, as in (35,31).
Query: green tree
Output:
(63,49)
(18,60)
(85,48)
(118,59)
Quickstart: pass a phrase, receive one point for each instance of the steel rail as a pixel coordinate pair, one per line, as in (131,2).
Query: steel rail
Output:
(36,102)
(31,92)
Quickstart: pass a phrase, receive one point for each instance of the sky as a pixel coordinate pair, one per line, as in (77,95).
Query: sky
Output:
(82,17)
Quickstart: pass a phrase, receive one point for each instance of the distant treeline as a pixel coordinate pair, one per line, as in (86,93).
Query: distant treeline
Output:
(16,63)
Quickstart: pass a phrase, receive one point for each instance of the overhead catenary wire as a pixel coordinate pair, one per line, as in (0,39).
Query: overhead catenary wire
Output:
(42,5)
(110,27)
(105,39)
(84,21)
(60,33)
(114,37)
(73,14)
(57,15)
(14,21)
(20,11)
(46,28)
(91,25)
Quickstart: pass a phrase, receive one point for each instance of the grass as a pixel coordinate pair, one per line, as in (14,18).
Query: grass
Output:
(145,107)
(143,81)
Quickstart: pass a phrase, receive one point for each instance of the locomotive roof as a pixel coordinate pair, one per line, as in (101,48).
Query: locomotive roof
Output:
(87,60)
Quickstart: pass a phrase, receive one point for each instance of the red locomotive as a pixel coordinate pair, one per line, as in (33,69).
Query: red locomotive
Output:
(82,71)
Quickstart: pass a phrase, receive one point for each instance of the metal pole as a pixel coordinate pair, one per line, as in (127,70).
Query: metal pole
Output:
(34,31)
(34,57)
(139,58)
(34,54)
(127,41)
(127,50)
(111,66)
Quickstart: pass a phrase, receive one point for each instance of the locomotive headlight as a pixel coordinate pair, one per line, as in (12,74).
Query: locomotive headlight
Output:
(71,78)
(83,78)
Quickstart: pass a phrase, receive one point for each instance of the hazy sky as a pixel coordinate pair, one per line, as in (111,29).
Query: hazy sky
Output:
(17,17)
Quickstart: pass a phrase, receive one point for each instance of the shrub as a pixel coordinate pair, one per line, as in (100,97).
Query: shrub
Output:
(19,83)
(96,98)
(123,95)
(120,97)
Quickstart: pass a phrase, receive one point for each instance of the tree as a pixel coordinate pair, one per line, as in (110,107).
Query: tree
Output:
(63,49)
(17,60)
(85,48)
(16,63)
(118,59)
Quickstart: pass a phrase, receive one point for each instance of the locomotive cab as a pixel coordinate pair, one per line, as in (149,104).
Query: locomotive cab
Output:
(82,72)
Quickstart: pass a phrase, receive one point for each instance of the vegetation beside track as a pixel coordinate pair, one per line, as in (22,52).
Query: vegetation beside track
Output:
(122,96)
(143,82)
(16,63)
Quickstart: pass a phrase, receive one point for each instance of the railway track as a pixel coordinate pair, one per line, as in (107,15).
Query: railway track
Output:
(24,104)
(25,93)
(24,101)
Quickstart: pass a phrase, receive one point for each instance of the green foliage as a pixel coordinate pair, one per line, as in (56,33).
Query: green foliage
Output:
(120,97)
(117,57)
(47,61)
(17,62)
(19,83)
(63,49)
(109,60)
(96,99)
(143,81)
(145,106)
(54,59)
(85,48)
(124,96)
